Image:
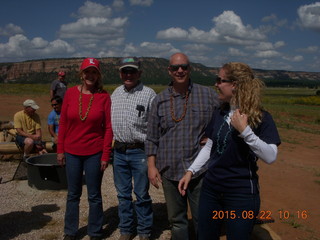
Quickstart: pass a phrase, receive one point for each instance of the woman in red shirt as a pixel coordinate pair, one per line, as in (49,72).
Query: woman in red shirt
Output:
(84,144)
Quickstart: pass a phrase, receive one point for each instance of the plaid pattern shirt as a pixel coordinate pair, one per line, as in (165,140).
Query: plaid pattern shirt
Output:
(129,113)
(176,144)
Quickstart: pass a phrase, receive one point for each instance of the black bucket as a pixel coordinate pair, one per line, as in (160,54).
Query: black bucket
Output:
(44,173)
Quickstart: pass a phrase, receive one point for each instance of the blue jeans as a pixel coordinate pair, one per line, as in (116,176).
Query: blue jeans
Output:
(177,206)
(128,165)
(75,165)
(237,211)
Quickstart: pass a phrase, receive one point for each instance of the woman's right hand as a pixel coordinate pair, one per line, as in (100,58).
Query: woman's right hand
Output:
(61,159)
(184,182)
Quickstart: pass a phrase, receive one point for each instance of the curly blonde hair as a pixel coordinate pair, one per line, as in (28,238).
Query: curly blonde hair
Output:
(247,94)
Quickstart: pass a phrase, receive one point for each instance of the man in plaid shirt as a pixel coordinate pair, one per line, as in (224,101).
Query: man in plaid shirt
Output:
(178,118)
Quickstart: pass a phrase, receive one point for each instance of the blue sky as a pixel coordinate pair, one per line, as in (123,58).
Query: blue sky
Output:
(266,34)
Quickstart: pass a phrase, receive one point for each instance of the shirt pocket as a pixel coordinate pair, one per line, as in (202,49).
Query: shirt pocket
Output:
(140,116)
(166,121)
(201,113)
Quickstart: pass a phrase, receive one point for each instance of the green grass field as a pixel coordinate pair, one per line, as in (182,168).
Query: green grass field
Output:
(292,108)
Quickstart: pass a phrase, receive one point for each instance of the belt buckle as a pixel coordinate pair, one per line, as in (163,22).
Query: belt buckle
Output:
(123,148)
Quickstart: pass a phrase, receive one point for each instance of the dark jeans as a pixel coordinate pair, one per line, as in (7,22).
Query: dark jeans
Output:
(130,172)
(238,211)
(177,206)
(75,165)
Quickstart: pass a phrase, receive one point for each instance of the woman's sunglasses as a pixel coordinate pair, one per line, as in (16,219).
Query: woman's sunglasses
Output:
(219,80)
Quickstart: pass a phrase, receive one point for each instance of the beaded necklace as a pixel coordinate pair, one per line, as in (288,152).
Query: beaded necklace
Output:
(80,106)
(184,107)
(220,149)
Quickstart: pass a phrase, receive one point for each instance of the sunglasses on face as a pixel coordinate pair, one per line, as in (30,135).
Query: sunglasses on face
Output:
(219,80)
(54,104)
(174,68)
(129,71)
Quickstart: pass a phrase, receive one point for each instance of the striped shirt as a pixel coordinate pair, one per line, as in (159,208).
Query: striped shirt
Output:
(129,113)
(176,144)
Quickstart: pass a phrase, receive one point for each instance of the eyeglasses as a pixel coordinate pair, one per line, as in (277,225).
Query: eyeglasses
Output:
(174,68)
(129,71)
(54,104)
(219,80)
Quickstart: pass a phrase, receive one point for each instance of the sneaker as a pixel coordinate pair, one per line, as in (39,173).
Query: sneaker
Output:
(69,237)
(126,237)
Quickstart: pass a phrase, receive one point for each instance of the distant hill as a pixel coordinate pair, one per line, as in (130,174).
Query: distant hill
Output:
(154,72)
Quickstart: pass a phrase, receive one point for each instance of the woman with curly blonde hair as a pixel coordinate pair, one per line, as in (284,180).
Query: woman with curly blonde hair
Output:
(239,133)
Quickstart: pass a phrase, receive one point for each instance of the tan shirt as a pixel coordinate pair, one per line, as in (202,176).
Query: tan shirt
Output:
(26,123)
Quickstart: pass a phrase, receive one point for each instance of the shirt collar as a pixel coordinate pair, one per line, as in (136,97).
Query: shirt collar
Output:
(138,87)
(189,87)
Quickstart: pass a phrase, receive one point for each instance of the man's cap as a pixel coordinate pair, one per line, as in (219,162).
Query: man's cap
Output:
(129,62)
(61,74)
(90,62)
(30,103)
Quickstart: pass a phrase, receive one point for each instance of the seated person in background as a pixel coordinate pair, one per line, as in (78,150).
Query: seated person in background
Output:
(28,126)
(53,120)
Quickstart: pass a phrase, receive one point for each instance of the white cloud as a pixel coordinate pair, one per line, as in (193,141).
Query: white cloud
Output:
(202,36)
(130,49)
(173,33)
(115,42)
(118,4)
(266,46)
(97,28)
(297,58)
(197,48)
(92,9)
(275,20)
(39,42)
(10,30)
(141,2)
(160,49)
(20,46)
(310,49)
(203,59)
(230,24)
(228,29)
(267,54)
(274,24)
(279,44)
(149,49)
(108,53)
(58,47)
(309,16)
(236,52)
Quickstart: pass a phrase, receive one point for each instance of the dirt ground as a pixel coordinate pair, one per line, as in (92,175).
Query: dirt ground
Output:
(290,188)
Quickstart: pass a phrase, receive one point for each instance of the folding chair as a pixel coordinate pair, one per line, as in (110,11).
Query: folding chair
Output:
(21,170)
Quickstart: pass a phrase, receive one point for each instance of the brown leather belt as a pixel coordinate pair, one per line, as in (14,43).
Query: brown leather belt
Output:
(121,146)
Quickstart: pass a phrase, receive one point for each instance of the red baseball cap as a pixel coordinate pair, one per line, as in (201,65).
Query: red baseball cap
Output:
(90,62)
(62,74)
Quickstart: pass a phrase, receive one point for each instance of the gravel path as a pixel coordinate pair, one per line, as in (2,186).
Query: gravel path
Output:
(27,213)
